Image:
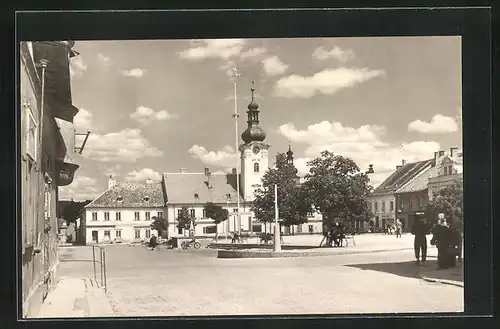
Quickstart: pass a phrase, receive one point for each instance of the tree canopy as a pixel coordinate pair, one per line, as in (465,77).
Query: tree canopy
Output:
(159,224)
(216,212)
(292,206)
(449,201)
(184,219)
(73,209)
(337,188)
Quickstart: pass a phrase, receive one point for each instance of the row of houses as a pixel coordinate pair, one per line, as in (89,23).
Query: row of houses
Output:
(406,193)
(124,212)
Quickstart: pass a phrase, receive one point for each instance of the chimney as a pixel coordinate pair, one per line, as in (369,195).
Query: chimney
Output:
(403,163)
(453,151)
(183,170)
(441,153)
(233,171)
(111,182)
(207,172)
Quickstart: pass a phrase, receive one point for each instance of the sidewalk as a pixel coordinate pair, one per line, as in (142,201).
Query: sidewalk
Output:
(452,276)
(76,298)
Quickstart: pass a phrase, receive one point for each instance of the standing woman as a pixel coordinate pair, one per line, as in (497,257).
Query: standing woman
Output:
(441,239)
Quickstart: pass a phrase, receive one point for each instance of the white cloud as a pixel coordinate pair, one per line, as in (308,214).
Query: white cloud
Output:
(364,145)
(107,169)
(77,67)
(83,121)
(103,59)
(274,66)
(125,146)
(338,53)
(253,53)
(214,48)
(145,115)
(143,175)
(135,73)
(439,124)
(327,82)
(82,188)
(225,158)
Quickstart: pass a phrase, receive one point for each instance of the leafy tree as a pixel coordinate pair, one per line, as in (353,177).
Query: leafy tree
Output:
(73,210)
(184,219)
(449,201)
(292,206)
(217,213)
(159,224)
(337,189)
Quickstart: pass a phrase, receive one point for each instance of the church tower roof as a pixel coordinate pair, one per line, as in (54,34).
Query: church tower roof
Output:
(253,133)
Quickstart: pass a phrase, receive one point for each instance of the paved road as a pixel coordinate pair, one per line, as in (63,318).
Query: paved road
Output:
(177,283)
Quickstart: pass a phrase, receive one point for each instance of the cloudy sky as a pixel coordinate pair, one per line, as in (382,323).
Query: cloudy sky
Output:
(158,106)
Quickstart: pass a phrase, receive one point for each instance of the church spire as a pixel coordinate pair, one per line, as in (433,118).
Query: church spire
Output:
(289,154)
(253,132)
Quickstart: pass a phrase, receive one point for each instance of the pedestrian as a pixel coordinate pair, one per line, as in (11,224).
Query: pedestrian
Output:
(153,242)
(420,229)
(399,228)
(441,238)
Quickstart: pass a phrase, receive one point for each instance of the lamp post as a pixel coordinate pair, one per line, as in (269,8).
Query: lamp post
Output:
(277,238)
(236,75)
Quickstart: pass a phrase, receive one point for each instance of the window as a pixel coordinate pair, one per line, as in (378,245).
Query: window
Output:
(383,206)
(375,204)
(178,212)
(249,221)
(256,167)
(31,132)
(159,214)
(391,206)
(106,216)
(196,196)
(136,216)
(235,210)
(191,212)
(179,230)
(421,202)
(257,228)
(410,203)
(450,170)
(146,198)
(118,216)
(209,229)
(148,234)
(204,213)
(137,234)
(148,215)
(119,199)
(310,214)
(94,216)
(299,228)
(107,234)
(118,234)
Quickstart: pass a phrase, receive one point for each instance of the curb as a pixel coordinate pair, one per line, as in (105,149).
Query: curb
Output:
(98,302)
(228,254)
(448,282)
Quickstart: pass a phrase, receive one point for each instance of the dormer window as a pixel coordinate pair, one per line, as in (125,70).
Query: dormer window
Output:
(196,196)
(228,196)
(146,198)
(119,198)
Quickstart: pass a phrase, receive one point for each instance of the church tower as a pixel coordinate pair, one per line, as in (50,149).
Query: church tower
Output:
(254,152)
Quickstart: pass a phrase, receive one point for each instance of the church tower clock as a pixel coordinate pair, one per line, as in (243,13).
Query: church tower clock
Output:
(254,152)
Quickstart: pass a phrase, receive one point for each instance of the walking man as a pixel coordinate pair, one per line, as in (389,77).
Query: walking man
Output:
(399,228)
(420,229)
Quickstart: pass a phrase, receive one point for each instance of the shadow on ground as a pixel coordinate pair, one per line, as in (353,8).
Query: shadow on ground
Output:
(411,270)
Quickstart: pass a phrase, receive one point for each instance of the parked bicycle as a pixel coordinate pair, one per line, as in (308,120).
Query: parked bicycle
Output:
(190,244)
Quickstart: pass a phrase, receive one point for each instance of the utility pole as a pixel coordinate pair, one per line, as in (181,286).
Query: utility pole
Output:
(277,238)
(236,75)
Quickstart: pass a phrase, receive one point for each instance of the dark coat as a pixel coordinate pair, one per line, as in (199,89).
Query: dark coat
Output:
(420,229)
(441,235)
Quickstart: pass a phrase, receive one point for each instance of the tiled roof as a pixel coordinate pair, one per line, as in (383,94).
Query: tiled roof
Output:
(419,183)
(182,187)
(132,195)
(401,177)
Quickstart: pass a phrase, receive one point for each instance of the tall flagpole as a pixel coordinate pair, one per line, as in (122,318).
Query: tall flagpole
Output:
(236,75)
(277,231)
